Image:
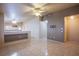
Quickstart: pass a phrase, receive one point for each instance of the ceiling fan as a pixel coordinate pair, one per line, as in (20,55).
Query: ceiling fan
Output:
(36,9)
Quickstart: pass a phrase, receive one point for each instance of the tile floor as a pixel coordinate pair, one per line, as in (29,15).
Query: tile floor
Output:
(41,48)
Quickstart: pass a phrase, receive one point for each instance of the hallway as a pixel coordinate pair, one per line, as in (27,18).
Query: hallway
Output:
(41,48)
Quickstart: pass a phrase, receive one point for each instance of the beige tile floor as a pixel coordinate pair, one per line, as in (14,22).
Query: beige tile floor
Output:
(41,48)
(70,48)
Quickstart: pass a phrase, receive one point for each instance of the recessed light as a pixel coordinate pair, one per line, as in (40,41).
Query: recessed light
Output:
(72,17)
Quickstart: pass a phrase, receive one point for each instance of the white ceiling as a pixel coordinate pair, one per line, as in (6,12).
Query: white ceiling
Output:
(22,9)
(25,10)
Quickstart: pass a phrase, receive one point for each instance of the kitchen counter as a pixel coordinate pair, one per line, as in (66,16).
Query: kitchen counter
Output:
(15,35)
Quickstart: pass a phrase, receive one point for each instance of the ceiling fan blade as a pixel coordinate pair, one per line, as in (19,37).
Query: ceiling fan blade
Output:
(28,8)
(30,13)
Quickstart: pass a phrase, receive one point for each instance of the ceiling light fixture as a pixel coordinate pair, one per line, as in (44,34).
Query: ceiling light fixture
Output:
(37,11)
(37,14)
(14,22)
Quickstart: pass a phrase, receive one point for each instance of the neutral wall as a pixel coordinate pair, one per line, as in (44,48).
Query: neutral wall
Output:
(1,30)
(74,28)
(43,29)
(58,20)
(33,26)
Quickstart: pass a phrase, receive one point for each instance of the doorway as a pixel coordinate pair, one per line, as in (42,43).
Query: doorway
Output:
(71,28)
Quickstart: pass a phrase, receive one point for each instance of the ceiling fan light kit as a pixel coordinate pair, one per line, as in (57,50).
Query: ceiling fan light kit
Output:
(37,11)
(37,14)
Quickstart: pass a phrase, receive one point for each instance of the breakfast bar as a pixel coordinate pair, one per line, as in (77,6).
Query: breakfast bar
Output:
(15,36)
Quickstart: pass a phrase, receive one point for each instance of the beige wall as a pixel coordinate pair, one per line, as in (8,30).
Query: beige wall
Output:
(66,29)
(73,32)
(1,30)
